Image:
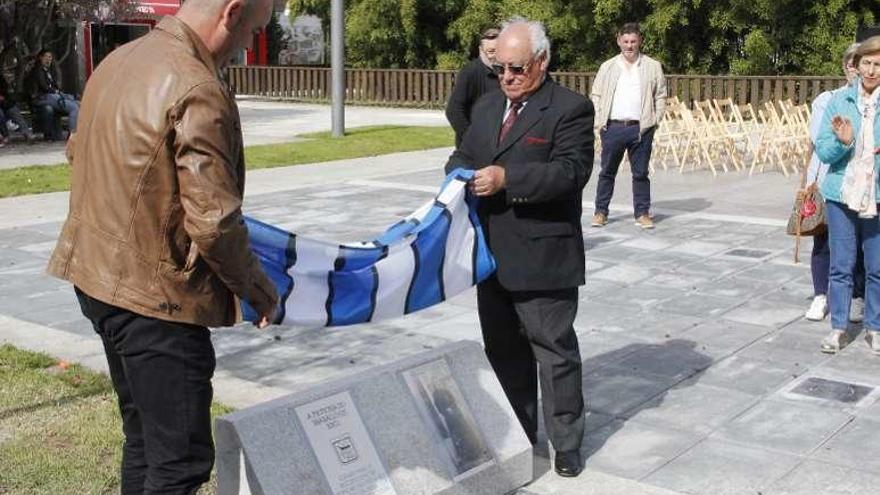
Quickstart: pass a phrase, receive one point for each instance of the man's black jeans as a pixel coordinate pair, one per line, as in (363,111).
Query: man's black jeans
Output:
(161,372)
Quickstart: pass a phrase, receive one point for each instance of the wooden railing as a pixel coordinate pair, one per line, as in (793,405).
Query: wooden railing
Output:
(431,88)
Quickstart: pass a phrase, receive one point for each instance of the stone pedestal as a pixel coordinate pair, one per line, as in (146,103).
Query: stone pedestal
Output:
(436,423)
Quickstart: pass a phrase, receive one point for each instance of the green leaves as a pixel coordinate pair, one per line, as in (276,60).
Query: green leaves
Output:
(687,36)
(758,55)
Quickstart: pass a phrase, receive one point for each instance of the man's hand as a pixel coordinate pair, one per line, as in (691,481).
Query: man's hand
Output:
(843,129)
(488,181)
(266,320)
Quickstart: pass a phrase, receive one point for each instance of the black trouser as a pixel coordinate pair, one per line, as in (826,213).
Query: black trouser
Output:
(617,139)
(522,329)
(161,372)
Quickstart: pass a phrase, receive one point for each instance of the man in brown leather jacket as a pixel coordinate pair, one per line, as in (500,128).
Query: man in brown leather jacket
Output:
(154,242)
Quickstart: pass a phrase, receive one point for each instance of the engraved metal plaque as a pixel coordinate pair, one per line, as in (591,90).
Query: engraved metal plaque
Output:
(343,447)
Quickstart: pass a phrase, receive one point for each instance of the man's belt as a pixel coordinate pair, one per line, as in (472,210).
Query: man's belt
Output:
(625,123)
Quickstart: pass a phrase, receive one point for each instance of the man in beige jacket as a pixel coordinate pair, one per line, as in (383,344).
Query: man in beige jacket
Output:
(154,243)
(629,94)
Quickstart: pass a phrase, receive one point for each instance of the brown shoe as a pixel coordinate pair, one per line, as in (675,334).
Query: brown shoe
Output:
(600,219)
(645,222)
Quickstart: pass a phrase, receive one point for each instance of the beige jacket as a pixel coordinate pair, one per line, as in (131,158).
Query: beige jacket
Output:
(157,178)
(653,84)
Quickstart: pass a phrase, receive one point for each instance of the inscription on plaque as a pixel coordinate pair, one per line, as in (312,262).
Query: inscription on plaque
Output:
(343,447)
(444,409)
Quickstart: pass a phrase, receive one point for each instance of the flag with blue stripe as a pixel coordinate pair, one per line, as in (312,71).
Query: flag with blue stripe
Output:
(433,254)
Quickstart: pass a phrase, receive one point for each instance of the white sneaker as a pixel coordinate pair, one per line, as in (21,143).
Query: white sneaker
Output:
(818,308)
(873,338)
(857,310)
(835,341)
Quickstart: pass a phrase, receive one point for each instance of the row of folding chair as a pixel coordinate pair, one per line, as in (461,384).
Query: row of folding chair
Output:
(718,135)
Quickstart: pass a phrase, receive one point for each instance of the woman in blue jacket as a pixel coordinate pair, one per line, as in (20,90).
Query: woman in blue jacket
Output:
(820,258)
(849,141)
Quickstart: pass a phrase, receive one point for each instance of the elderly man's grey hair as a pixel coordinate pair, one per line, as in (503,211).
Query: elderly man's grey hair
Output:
(537,34)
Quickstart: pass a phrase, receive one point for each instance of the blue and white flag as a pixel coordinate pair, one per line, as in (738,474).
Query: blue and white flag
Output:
(433,254)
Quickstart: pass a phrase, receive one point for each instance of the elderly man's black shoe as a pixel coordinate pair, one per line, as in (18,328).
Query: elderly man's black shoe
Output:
(568,463)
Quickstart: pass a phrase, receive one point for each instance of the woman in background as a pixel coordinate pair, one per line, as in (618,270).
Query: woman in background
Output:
(848,141)
(820,259)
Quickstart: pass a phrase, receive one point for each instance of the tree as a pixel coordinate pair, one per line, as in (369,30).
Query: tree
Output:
(824,41)
(758,55)
(687,36)
(389,33)
(26,26)
(374,34)
(276,39)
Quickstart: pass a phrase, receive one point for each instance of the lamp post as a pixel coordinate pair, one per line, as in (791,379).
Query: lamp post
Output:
(337,68)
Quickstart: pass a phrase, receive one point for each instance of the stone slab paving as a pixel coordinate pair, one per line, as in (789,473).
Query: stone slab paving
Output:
(692,335)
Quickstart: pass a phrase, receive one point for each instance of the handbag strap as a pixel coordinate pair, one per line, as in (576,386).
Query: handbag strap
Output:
(809,155)
(797,238)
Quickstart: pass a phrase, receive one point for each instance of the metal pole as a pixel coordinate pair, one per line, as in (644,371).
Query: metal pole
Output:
(337,64)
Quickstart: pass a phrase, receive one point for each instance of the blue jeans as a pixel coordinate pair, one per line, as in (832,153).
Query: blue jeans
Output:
(62,103)
(616,139)
(845,230)
(820,264)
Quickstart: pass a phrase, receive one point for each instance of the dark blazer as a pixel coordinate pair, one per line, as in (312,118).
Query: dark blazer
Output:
(534,226)
(474,80)
(43,81)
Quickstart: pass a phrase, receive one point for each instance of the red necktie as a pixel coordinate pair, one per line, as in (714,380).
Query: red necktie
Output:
(509,121)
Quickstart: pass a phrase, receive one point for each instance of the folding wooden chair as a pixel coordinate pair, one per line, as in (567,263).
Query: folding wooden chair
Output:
(669,135)
(781,139)
(713,144)
(734,126)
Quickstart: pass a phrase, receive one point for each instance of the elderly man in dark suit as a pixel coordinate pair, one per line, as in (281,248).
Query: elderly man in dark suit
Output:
(532,147)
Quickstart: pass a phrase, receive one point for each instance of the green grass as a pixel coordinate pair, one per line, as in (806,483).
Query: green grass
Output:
(314,148)
(359,142)
(34,180)
(60,430)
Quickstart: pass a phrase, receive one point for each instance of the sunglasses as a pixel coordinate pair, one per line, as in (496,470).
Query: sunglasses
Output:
(516,70)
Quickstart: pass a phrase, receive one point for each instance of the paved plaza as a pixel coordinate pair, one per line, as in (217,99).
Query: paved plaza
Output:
(700,374)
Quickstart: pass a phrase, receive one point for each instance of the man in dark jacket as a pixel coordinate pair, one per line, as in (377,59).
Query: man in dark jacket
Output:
(47,97)
(475,80)
(9,111)
(532,147)
(155,243)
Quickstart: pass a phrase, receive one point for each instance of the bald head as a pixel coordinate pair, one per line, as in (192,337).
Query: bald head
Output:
(226,26)
(207,8)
